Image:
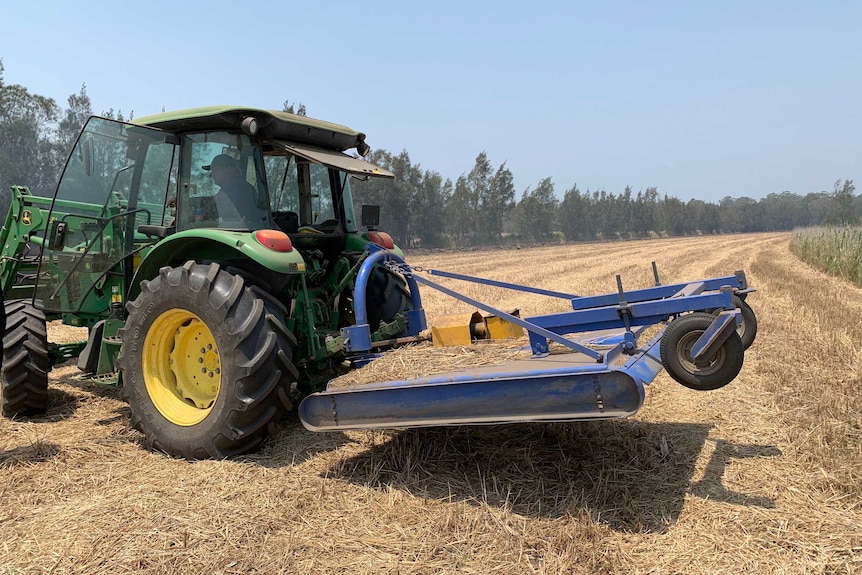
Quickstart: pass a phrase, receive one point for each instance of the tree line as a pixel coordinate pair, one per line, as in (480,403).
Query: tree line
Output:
(421,208)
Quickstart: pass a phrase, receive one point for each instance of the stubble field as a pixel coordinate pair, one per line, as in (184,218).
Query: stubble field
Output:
(762,476)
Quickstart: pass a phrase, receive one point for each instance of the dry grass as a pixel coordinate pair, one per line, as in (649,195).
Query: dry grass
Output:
(422,359)
(759,477)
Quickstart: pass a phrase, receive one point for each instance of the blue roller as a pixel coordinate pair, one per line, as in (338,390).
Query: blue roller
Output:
(567,386)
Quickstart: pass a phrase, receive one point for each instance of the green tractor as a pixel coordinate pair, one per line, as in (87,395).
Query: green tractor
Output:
(216,259)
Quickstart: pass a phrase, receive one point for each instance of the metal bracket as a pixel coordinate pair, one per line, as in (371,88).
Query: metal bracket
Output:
(716,334)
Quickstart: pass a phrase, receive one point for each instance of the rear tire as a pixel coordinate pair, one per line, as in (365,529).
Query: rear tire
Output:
(26,361)
(386,296)
(206,363)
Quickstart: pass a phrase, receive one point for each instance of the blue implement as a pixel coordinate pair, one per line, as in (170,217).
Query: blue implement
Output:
(599,371)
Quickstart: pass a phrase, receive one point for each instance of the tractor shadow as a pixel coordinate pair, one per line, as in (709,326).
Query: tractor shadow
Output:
(630,475)
(37,451)
(63,403)
(68,389)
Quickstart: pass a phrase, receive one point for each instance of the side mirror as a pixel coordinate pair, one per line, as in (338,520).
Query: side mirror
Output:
(58,235)
(370,216)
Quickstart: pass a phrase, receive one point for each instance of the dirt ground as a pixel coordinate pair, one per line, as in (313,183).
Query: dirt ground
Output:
(762,476)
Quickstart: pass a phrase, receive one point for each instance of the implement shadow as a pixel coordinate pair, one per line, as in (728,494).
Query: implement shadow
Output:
(628,474)
(293,445)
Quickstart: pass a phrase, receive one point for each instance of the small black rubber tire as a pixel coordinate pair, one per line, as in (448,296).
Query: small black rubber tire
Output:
(386,296)
(748,329)
(676,343)
(256,351)
(26,361)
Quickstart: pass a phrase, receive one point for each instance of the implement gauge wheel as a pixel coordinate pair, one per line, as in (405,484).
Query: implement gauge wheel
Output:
(26,362)
(206,362)
(706,374)
(748,329)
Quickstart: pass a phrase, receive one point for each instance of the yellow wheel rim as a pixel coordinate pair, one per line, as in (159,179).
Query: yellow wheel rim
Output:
(181,366)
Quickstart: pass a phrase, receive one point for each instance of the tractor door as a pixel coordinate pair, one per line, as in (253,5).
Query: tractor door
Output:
(116,179)
(223,183)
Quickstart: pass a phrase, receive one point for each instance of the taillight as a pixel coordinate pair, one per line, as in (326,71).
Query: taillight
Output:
(275,240)
(381,239)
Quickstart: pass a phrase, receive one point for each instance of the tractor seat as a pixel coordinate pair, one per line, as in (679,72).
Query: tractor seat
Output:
(287,221)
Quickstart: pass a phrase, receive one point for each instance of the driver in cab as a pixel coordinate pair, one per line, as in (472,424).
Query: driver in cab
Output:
(235,199)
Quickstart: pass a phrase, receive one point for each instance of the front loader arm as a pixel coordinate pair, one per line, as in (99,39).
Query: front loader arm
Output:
(27,215)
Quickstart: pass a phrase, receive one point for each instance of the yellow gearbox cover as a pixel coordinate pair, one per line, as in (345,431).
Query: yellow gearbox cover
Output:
(454,329)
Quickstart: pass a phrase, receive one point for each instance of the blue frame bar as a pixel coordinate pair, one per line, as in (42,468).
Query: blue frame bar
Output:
(505,285)
(639,313)
(737,282)
(529,326)
(626,315)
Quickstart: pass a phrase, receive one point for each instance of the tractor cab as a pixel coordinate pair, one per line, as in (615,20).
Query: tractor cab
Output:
(311,197)
(126,187)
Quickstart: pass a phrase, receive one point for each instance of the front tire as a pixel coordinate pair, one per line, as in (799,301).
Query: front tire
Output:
(26,361)
(206,363)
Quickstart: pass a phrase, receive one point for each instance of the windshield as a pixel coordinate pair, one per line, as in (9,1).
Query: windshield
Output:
(116,179)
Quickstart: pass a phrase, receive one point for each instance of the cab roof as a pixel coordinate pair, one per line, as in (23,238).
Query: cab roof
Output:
(271,124)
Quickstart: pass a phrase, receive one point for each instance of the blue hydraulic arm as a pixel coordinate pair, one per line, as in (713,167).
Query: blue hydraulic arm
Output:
(358,337)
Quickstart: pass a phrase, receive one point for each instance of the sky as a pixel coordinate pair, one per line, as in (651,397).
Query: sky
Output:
(700,99)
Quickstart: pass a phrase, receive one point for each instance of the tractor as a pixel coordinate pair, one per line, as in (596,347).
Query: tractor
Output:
(215,308)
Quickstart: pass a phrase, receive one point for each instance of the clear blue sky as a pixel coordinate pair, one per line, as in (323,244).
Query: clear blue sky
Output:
(701,99)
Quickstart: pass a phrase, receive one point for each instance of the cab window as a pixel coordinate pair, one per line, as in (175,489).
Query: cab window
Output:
(222,183)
